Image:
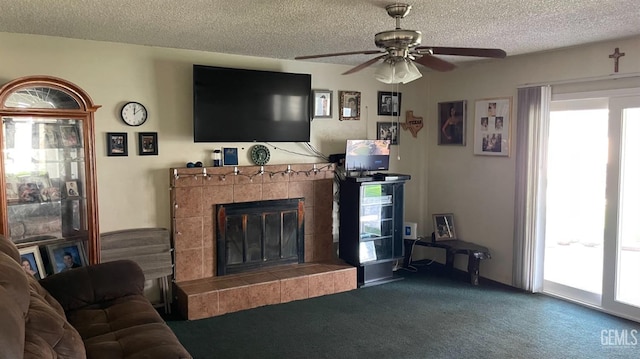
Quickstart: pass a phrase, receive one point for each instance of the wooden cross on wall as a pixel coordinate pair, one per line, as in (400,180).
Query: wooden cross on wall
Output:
(616,56)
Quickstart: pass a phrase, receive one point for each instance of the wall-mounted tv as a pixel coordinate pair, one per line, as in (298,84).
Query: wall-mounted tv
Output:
(367,155)
(238,105)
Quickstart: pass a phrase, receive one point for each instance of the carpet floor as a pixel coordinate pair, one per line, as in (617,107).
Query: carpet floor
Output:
(426,315)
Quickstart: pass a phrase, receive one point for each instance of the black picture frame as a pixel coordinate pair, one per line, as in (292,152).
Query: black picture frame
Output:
(452,123)
(389,103)
(117,144)
(387,131)
(148,143)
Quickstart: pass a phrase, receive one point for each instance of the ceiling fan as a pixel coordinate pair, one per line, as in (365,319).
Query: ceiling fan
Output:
(400,48)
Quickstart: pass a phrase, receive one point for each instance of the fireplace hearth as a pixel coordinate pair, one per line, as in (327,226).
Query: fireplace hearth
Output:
(254,235)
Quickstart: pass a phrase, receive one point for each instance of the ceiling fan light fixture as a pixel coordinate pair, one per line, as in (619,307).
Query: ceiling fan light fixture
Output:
(385,73)
(397,71)
(412,72)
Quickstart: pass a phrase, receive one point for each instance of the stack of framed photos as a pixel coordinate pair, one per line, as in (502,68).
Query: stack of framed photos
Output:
(40,261)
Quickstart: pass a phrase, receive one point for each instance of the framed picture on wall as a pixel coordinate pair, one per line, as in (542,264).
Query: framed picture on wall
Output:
(349,105)
(147,143)
(389,103)
(492,127)
(452,123)
(117,144)
(387,131)
(322,103)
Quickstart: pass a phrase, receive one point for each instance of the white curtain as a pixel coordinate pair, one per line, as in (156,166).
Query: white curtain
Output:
(531,159)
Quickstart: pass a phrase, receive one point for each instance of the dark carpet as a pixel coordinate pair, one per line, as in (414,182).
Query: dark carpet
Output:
(426,315)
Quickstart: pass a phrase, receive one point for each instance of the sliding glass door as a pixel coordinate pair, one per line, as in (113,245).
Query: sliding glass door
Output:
(592,221)
(621,290)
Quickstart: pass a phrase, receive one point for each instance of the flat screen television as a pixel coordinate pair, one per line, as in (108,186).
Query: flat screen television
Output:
(238,105)
(367,155)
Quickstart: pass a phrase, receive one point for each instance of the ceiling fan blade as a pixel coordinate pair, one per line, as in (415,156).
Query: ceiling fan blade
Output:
(363,65)
(364,52)
(465,51)
(435,63)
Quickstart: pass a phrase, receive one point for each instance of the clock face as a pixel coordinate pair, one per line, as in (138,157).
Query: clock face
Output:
(133,113)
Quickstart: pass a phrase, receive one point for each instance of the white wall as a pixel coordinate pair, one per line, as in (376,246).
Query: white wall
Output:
(134,190)
(480,190)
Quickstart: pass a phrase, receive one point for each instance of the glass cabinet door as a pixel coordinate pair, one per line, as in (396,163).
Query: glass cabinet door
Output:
(48,166)
(376,222)
(44,170)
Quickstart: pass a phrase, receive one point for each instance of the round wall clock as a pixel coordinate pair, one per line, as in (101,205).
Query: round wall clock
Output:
(260,155)
(134,113)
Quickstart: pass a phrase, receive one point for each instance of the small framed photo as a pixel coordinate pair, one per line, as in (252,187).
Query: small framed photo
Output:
(452,123)
(492,123)
(70,136)
(117,144)
(72,189)
(148,143)
(322,103)
(229,156)
(389,103)
(387,131)
(11,188)
(349,105)
(443,227)
(31,261)
(45,135)
(66,255)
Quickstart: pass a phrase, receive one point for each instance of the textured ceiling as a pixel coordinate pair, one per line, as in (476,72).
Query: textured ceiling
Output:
(287,28)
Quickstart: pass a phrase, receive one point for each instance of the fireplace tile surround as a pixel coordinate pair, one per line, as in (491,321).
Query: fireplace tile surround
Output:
(194,195)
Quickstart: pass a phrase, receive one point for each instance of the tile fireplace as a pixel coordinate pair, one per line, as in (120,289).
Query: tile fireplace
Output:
(195,195)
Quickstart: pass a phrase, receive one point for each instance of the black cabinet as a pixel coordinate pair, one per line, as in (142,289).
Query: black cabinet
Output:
(371,223)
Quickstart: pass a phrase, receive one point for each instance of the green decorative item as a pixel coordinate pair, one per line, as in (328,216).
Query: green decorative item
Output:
(260,155)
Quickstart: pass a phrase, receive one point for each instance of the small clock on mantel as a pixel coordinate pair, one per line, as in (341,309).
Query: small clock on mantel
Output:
(134,113)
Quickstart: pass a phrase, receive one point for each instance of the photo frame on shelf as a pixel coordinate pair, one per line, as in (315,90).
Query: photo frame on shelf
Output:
(387,131)
(229,156)
(72,189)
(11,189)
(34,188)
(444,227)
(45,135)
(389,103)
(66,255)
(70,136)
(117,144)
(322,103)
(148,143)
(31,261)
(492,127)
(349,105)
(452,123)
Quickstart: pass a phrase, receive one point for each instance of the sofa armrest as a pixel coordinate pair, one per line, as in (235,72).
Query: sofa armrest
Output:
(95,284)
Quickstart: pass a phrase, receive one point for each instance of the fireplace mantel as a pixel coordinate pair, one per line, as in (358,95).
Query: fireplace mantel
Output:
(196,191)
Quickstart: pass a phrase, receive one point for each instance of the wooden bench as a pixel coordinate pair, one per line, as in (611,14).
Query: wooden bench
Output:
(453,247)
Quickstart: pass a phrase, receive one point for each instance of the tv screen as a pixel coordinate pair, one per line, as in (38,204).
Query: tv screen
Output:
(237,105)
(367,155)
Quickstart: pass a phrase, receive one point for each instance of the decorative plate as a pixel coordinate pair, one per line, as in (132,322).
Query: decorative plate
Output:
(260,155)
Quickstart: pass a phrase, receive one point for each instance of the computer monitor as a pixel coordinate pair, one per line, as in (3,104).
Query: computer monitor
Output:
(367,155)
